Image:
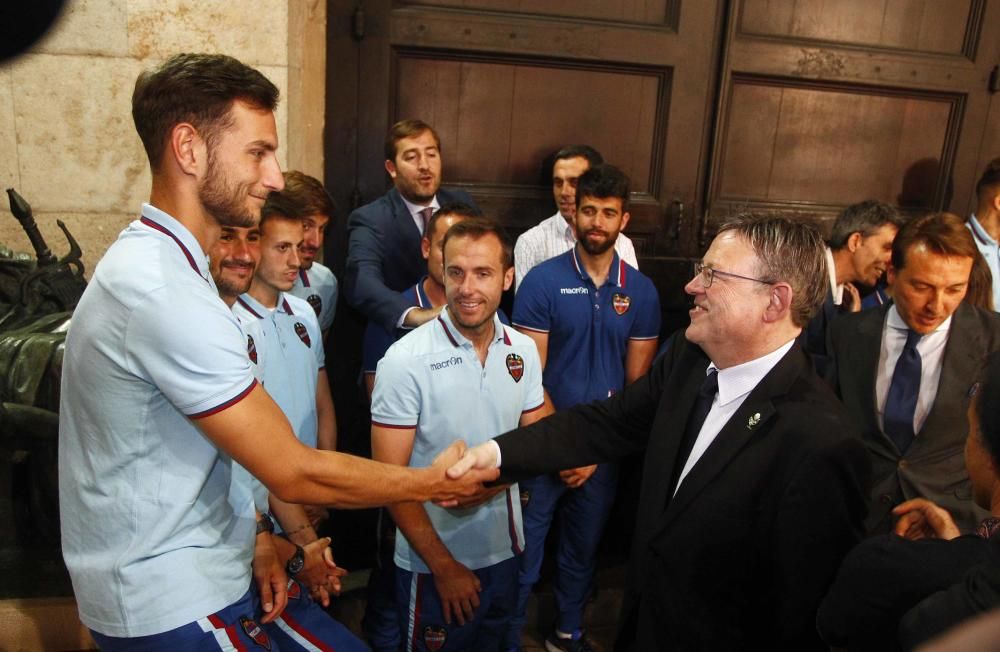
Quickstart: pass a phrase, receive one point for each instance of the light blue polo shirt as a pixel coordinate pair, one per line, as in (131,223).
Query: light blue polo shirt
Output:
(589,327)
(149,534)
(990,250)
(432,380)
(318,287)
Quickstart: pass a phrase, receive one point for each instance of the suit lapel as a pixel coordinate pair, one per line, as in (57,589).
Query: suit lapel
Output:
(752,419)
(404,221)
(863,355)
(960,367)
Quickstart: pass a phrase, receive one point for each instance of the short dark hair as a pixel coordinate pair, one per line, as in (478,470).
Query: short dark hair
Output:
(988,398)
(865,218)
(602,182)
(943,233)
(459,208)
(409,128)
(989,184)
(788,251)
(307,194)
(280,206)
(587,152)
(476,228)
(195,88)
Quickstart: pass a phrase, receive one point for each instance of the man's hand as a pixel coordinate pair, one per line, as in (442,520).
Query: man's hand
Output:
(459,590)
(480,458)
(574,478)
(851,298)
(920,518)
(419,316)
(269,573)
(458,486)
(484,495)
(321,575)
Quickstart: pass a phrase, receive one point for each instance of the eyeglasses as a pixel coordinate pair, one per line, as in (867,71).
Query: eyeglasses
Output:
(708,275)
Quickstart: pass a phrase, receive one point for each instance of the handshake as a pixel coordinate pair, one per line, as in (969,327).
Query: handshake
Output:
(462,471)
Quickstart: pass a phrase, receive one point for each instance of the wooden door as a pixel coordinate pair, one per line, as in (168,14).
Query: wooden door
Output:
(823,104)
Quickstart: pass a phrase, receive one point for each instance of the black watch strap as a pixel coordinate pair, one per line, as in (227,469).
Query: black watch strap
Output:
(296,562)
(265,524)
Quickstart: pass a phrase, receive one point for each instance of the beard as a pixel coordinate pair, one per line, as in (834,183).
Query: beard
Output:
(595,248)
(225,200)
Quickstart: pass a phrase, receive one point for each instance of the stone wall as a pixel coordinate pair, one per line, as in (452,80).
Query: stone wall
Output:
(67,143)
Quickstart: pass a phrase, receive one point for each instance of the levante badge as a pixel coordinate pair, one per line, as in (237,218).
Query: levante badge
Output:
(515,366)
(303,334)
(621,303)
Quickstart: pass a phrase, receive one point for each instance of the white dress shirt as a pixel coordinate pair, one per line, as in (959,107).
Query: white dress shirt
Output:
(836,290)
(931,349)
(735,384)
(415,210)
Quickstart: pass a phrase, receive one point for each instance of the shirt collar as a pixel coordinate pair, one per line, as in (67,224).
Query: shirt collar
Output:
(416,208)
(894,320)
(738,380)
(423,301)
(457,339)
(831,268)
(616,272)
(258,310)
(158,220)
(978,231)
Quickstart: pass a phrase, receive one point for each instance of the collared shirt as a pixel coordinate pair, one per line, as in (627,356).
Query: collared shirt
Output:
(149,534)
(432,380)
(318,286)
(589,327)
(735,384)
(990,250)
(836,290)
(552,237)
(415,210)
(931,348)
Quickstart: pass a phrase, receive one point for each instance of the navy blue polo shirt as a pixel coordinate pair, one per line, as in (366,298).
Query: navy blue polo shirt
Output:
(588,327)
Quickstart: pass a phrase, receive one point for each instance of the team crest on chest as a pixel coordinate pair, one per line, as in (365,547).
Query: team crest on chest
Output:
(251,349)
(303,334)
(515,366)
(316,302)
(254,631)
(621,303)
(435,637)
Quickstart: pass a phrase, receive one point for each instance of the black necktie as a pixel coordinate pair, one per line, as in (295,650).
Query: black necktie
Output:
(702,405)
(901,402)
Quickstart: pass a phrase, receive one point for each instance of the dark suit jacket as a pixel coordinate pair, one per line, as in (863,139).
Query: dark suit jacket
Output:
(813,338)
(934,466)
(383,256)
(742,555)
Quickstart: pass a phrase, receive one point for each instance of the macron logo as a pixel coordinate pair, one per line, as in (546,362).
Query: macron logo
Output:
(579,290)
(444,364)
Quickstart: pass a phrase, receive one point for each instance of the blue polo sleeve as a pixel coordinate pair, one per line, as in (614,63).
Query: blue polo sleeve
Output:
(201,370)
(646,301)
(532,303)
(396,399)
(534,394)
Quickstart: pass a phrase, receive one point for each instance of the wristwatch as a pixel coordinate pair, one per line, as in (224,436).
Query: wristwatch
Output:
(265,524)
(297,561)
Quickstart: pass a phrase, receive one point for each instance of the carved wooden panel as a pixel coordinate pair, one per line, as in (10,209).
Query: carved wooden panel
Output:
(636,12)
(791,145)
(499,118)
(931,26)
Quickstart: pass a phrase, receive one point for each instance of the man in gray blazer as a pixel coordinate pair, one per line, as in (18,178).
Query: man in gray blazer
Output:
(905,371)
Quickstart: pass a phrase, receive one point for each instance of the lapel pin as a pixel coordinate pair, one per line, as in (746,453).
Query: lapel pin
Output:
(753,421)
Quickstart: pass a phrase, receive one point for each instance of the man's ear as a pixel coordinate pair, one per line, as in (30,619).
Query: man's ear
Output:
(779,302)
(187,148)
(425,247)
(854,241)
(625,218)
(890,275)
(508,278)
(390,167)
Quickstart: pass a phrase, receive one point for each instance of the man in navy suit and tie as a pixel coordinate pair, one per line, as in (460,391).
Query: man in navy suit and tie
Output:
(383,256)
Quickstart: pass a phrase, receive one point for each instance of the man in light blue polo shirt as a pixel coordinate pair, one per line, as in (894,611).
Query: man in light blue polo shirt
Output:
(462,372)
(595,320)
(158,397)
(985,223)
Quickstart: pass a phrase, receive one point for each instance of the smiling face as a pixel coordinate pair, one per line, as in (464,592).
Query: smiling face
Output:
(870,255)
(242,168)
(474,280)
(565,174)
(598,222)
(314,230)
(280,239)
(929,288)
(233,259)
(416,170)
(728,316)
